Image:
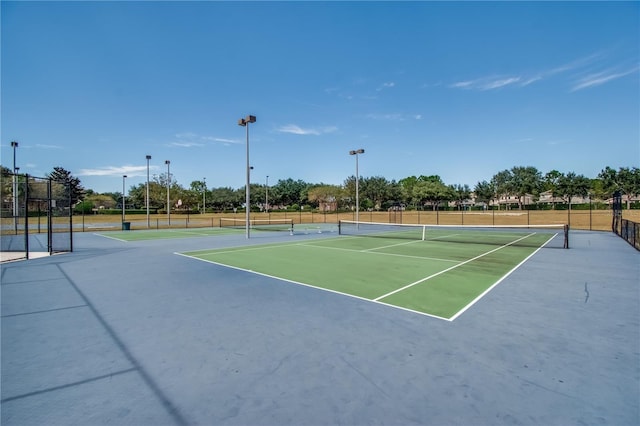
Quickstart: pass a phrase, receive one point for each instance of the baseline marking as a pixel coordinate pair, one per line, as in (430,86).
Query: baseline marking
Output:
(449,269)
(481,295)
(313,286)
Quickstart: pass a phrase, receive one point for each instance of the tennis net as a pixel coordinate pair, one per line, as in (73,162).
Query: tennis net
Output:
(554,235)
(258,224)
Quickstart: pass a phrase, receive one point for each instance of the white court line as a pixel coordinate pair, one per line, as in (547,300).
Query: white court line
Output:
(408,256)
(449,269)
(481,295)
(112,238)
(312,286)
(392,245)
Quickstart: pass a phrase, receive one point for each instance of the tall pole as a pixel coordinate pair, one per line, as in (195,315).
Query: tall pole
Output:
(266,196)
(356,152)
(357,192)
(167,162)
(14,145)
(245,123)
(590,209)
(247,189)
(148,223)
(204,196)
(124,177)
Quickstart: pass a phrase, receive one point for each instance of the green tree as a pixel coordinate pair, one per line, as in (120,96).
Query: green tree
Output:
(350,190)
(406,188)
(626,180)
(502,183)
(226,198)
(550,182)
(99,201)
(525,181)
(288,191)
(376,189)
(73,189)
(484,191)
(460,193)
(572,185)
(325,195)
(158,190)
(395,195)
(432,191)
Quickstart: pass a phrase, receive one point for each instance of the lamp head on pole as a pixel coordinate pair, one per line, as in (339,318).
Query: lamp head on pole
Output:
(358,151)
(14,144)
(248,119)
(148,157)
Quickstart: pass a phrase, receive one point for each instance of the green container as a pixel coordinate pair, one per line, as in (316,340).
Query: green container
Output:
(126,226)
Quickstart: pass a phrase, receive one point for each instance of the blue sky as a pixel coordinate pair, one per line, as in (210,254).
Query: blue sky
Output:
(458,89)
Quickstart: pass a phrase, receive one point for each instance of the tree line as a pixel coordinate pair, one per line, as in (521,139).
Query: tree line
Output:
(374,193)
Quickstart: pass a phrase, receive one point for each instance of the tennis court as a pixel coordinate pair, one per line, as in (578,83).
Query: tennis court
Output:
(436,271)
(163,234)
(227,227)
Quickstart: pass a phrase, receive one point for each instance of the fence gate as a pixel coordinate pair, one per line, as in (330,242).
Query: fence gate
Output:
(36,217)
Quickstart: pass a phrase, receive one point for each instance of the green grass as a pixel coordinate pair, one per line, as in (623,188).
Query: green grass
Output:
(433,277)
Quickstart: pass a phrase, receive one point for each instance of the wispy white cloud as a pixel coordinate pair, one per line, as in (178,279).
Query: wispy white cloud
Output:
(525,79)
(186,135)
(185,144)
(222,140)
(116,171)
(393,117)
(190,139)
(44,146)
(575,64)
(487,83)
(599,78)
(386,86)
(430,85)
(530,80)
(297,130)
(462,85)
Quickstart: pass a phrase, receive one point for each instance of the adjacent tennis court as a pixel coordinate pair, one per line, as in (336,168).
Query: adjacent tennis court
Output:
(227,227)
(437,271)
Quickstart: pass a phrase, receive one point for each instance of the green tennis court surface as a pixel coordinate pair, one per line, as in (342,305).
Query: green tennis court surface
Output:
(159,234)
(439,276)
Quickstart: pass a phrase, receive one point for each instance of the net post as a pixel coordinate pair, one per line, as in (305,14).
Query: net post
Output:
(566,236)
(424,231)
(339,226)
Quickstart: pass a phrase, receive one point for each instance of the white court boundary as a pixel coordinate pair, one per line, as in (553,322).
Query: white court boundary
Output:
(378,300)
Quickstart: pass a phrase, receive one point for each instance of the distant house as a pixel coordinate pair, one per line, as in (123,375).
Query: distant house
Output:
(328,205)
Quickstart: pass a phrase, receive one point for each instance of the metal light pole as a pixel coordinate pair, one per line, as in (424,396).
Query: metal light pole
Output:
(590,209)
(148,223)
(244,122)
(356,152)
(14,145)
(167,162)
(124,177)
(204,197)
(266,196)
